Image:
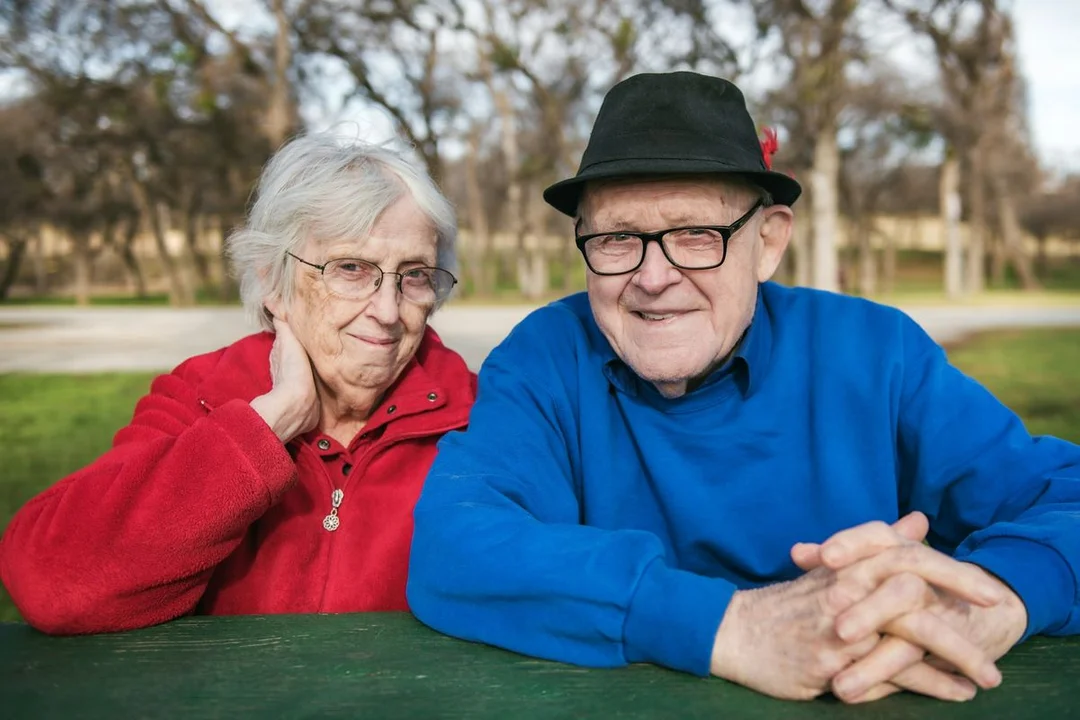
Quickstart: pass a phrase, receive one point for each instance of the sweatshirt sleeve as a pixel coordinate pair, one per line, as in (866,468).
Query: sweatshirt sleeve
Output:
(995,495)
(132,539)
(501,555)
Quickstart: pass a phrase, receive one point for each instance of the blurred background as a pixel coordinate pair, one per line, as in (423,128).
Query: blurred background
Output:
(936,141)
(131,130)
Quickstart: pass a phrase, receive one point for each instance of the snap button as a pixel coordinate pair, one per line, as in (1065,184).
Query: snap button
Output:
(432,397)
(390,410)
(324,444)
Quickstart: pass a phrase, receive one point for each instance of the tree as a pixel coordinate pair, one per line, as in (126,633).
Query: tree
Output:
(973,47)
(819,41)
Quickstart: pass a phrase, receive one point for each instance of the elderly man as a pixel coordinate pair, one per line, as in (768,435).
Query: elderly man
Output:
(695,467)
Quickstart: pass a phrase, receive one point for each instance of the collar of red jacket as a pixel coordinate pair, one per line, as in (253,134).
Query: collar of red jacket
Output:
(436,378)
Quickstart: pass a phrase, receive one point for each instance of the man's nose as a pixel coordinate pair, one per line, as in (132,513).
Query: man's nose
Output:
(656,271)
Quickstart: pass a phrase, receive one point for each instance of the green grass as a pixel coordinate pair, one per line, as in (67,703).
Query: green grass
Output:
(55,424)
(1035,372)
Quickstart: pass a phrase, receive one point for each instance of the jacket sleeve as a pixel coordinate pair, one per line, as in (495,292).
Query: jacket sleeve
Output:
(995,495)
(132,539)
(500,553)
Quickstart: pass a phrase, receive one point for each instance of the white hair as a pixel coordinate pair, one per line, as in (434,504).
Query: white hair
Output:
(318,185)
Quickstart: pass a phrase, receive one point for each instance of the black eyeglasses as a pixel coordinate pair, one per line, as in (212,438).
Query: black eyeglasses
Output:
(698,247)
(355,279)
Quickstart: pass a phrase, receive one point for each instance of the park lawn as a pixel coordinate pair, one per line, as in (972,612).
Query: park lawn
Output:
(1036,372)
(54,424)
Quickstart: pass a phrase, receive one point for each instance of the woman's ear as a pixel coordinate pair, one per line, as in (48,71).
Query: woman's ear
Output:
(273,307)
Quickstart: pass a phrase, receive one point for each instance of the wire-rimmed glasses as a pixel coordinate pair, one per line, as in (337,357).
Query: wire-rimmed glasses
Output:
(356,279)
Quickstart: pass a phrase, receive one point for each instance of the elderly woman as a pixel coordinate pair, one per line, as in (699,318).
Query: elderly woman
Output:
(278,474)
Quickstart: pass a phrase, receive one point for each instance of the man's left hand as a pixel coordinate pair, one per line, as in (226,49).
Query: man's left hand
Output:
(897,662)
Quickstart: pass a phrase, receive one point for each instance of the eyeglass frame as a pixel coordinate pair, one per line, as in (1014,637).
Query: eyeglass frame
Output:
(726,233)
(378,283)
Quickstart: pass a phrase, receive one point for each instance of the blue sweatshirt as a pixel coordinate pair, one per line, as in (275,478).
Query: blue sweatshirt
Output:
(583,517)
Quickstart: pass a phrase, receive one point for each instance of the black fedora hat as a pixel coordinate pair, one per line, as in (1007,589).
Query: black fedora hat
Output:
(672,124)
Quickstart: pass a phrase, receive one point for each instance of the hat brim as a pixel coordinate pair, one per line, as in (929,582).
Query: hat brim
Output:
(564,195)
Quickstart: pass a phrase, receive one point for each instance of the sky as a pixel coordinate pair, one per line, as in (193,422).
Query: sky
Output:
(1048,45)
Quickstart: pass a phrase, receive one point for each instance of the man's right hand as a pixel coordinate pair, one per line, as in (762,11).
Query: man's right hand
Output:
(781,640)
(291,408)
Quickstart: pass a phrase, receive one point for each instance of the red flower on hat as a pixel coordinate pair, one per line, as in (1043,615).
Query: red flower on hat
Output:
(769,146)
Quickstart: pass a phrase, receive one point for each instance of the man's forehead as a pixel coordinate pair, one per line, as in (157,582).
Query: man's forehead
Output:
(612,199)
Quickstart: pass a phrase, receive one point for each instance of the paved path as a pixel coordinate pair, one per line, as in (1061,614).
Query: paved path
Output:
(49,339)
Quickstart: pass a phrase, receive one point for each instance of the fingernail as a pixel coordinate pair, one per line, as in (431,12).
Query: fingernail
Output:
(847,685)
(991,677)
(963,693)
(832,554)
(846,631)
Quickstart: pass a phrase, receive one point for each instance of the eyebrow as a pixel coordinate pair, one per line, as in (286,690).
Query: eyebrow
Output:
(354,256)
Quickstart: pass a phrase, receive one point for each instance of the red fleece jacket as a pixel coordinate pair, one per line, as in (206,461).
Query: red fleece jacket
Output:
(199,508)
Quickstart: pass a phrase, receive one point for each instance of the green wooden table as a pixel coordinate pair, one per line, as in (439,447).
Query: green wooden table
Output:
(390,666)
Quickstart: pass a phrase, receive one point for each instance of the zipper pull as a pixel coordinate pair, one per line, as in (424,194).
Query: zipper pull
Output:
(331,522)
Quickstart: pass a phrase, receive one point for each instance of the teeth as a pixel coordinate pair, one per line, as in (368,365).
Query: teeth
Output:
(651,316)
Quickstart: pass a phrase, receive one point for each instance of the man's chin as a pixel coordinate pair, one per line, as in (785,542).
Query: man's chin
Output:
(670,381)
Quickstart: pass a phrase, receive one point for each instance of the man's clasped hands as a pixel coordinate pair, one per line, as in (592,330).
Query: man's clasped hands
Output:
(876,612)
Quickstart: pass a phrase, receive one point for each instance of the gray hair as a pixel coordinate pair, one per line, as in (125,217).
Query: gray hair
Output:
(319,186)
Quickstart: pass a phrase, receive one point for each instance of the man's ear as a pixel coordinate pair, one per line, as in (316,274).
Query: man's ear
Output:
(775,233)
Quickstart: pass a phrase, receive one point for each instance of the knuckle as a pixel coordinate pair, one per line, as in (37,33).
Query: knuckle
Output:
(878,527)
(909,585)
(919,624)
(840,596)
(826,663)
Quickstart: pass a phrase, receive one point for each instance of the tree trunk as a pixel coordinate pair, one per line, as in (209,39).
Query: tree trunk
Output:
(179,295)
(515,199)
(16,251)
(825,206)
(37,258)
(191,240)
(532,267)
(996,250)
(868,274)
(279,114)
(1041,256)
(131,263)
(540,258)
(976,259)
(82,257)
(227,289)
(949,198)
(802,240)
(480,243)
(1012,237)
(888,263)
(571,258)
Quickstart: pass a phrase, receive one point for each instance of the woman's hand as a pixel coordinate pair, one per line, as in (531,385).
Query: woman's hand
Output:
(291,408)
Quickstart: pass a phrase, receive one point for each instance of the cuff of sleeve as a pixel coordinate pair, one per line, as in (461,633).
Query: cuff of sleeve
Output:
(262,449)
(1036,573)
(673,618)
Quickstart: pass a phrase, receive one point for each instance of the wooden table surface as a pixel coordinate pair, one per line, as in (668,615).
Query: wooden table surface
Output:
(387,665)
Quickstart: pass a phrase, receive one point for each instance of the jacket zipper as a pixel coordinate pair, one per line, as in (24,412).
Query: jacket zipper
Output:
(332,521)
